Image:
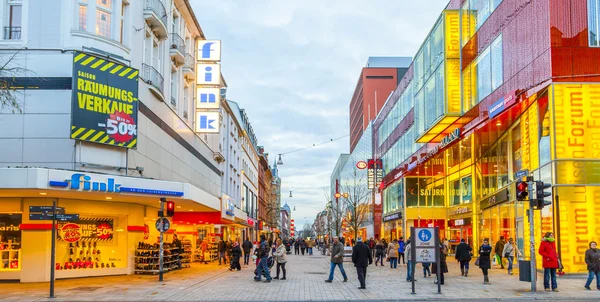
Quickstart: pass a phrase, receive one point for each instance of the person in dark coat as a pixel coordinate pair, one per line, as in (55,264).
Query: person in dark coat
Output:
(303,246)
(485,262)
(498,249)
(222,248)
(550,261)
(592,259)
(236,254)
(463,256)
(296,247)
(379,253)
(247,248)
(443,265)
(361,257)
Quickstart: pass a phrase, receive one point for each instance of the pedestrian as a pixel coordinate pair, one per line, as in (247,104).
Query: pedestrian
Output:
(309,245)
(392,253)
(296,247)
(303,246)
(228,247)
(280,258)
(222,248)
(385,244)
(247,248)
(443,265)
(485,262)
(426,269)
(463,255)
(263,256)
(361,257)
(411,267)
(550,261)
(592,259)
(401,248)
(379,253)
(177,243)
(498,249)
(337,259)
(236,254)
(372,247)
(509,252)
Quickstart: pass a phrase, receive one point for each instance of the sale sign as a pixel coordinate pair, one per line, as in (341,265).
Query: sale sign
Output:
(86,229)
(104,101)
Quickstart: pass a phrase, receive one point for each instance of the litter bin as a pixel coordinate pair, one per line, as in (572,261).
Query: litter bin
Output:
(524,270)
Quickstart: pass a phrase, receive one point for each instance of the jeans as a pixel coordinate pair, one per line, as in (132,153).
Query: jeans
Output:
(222,256)
(591,278)
(310,250)
(426,269)
(332,268)
(464,264)
(510,262)
(401,255)
(409,271)
(550,273)
(282,266)
(246,258)
(379,258)
(263,266)
(393,262)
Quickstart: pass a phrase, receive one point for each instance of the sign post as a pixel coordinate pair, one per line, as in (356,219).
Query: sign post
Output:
(532,264)
(162,225)
(53,249)
(426,249)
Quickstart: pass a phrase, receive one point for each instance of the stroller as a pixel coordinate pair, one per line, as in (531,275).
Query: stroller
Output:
(288,248)
(270,263)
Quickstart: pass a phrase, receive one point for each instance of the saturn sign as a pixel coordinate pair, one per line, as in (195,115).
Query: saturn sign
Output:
(361,164)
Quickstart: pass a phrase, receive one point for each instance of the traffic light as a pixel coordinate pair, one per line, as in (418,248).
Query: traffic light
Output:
(170,208)
(541,194)
(522,190)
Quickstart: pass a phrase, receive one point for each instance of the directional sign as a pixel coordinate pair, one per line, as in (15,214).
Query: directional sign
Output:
(424,237)
(45,209)
(162,224)
(426,255)
(40,216)
(67,217)
(48,216)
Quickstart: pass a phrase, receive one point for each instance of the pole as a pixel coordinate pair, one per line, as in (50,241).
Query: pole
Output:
(161,251)
(531,236)
(337,207)
(438,259)
(413,256)
(53,249)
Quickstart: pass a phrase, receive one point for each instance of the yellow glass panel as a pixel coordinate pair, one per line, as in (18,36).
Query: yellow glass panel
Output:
(453,86)
(452,34)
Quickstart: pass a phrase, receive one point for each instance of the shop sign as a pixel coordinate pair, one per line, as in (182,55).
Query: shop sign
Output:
(452,136)
(460,210)
(498,198)
(229,207)
(392,217)
(250,221)
(84,182)
(459,222)
(361,164)
(502,104)
(104,101)
(87,229)
(374,173)
(10,228)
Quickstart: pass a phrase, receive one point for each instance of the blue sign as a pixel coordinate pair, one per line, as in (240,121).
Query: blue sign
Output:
(230,208)
(500,105)
(207,122)
(163,224)
(82,182)
(521,173)
(425,235)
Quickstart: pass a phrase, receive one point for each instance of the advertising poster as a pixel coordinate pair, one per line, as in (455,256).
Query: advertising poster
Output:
(104,102)
(466,189)
(86,229)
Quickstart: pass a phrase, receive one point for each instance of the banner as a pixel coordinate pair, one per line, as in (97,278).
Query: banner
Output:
(104,102)
(86,229)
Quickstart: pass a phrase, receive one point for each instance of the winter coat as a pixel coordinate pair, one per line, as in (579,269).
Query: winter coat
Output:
(443,264)
(303,244)
(361,255)
(297,244)
(592,259)
(401,246)
(392,251)
(484,256)
(463,252)
(247,246)
(499,248)
(222,246)
(407,252)
(310,244)
(337,253)
(264,250)
(236,253)
(510,249)
(280,254)
(379,249)
(548,252)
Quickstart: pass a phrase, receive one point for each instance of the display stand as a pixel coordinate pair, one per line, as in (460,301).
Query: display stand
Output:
(147,259)
(186,256)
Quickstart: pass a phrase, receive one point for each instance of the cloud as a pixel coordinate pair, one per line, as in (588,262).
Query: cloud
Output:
(293,66)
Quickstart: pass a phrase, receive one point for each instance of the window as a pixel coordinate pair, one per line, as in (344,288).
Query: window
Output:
(13,30)
(484,75)
(82,16)
(122,25)
(593,16)
(103,23)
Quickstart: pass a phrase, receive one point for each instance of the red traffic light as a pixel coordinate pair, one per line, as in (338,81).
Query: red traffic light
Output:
(522,190)
(170,208)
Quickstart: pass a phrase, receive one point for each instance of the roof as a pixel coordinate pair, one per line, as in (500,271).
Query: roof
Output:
(389,62)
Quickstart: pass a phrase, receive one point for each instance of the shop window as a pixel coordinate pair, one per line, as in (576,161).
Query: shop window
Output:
(10,242)
(593,23)
(503,162)
(466,153)
(517,163)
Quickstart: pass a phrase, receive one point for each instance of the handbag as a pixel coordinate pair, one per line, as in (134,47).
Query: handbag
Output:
(477,261)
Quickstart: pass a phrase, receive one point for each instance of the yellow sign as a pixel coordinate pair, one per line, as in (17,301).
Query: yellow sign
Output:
(453,85)
(452,34)
(452,61)
(576,121)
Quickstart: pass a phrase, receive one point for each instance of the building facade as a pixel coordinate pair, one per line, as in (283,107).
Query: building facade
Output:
(467,122)
(114,185)
(250,181)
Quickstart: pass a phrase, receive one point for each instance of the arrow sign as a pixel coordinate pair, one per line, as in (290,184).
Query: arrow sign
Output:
(45,209)
(67,217)
(40,216)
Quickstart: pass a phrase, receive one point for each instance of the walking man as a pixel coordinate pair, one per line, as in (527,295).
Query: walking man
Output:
(247,247)
(222,248)
(337,259)
(263,254)
(498,249)
(361,257)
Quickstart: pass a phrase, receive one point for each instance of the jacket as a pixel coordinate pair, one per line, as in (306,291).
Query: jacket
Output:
(401,246)
(280,254)
(247,246)
(236,253)
(592,259)
(379,249)
(548,252)
(392,251)
(499,248)
(264,250)
(310,244)
(443,264)
(463,252)
(509,249)
(222,246)
(337,253)
(361,255)
(407,252)
(484,256)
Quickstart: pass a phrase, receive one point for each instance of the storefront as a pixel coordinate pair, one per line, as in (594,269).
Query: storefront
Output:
(114,235)
(460,226)
(392,224)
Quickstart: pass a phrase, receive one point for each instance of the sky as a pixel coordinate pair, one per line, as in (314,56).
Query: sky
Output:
(293,66)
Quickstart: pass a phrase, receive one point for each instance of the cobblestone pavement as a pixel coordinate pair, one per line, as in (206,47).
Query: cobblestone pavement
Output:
(305,281)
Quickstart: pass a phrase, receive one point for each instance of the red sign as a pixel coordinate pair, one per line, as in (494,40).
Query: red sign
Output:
(361,164)
(374,164)
(146,232)
(71,232)
(338,195)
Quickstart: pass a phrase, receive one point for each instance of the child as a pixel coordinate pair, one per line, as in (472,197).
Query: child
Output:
(426,270)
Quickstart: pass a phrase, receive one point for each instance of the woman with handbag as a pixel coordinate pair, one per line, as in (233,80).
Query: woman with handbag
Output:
(483,261)
(592,259)
(550,261)
(509,251)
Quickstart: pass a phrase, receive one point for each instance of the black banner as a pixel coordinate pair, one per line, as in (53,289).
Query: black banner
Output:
(104,102)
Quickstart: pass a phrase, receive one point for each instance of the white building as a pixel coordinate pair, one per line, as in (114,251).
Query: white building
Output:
(156,37)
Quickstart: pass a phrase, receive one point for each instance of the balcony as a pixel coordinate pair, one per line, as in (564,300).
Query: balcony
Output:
(156,16)
(12,33)
(189,68)
(177,49)
(153,78)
